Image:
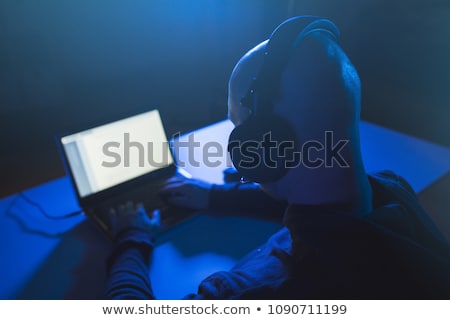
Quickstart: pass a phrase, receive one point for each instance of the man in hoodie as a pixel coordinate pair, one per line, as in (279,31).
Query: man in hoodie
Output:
(346,234)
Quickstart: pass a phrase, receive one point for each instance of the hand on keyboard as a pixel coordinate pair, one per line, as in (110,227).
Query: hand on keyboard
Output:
(186,193)
(131,216)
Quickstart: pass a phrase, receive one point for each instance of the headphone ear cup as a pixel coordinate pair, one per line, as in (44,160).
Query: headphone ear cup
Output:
(262,149)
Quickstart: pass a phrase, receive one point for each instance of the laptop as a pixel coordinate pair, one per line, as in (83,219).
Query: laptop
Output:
(122,161)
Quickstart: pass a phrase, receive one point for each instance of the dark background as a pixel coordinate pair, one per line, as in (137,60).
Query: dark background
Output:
(65,64)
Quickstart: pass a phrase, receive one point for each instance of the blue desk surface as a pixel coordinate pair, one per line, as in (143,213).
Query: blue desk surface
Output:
(65,259)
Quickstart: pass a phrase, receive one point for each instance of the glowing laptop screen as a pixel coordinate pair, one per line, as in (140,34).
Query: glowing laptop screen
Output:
(108,155)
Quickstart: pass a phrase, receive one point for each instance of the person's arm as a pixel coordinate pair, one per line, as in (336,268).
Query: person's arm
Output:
(228,199)
(127,266)
(245,199)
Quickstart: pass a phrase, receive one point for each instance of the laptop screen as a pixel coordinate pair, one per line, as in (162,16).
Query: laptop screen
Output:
(108,155)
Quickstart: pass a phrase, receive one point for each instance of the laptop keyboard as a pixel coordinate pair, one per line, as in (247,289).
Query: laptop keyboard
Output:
(149,198)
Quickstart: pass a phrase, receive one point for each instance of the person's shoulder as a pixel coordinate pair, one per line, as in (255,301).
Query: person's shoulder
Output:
(396,202)
(390,179)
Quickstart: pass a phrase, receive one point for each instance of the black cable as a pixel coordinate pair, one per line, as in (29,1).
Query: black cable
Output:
(27,229)
(44,213)
(24,226)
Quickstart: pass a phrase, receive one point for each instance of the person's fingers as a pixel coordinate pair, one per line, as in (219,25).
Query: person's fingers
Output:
(179,191)
(156,218)
(173,185)
(140,210)
(172,181)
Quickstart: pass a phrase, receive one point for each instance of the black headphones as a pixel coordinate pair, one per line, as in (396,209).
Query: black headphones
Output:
(262,148)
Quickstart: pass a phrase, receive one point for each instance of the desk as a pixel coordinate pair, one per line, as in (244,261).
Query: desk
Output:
(64,259)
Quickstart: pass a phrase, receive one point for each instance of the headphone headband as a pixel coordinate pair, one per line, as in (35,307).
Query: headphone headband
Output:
(251,144)
(283,40)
